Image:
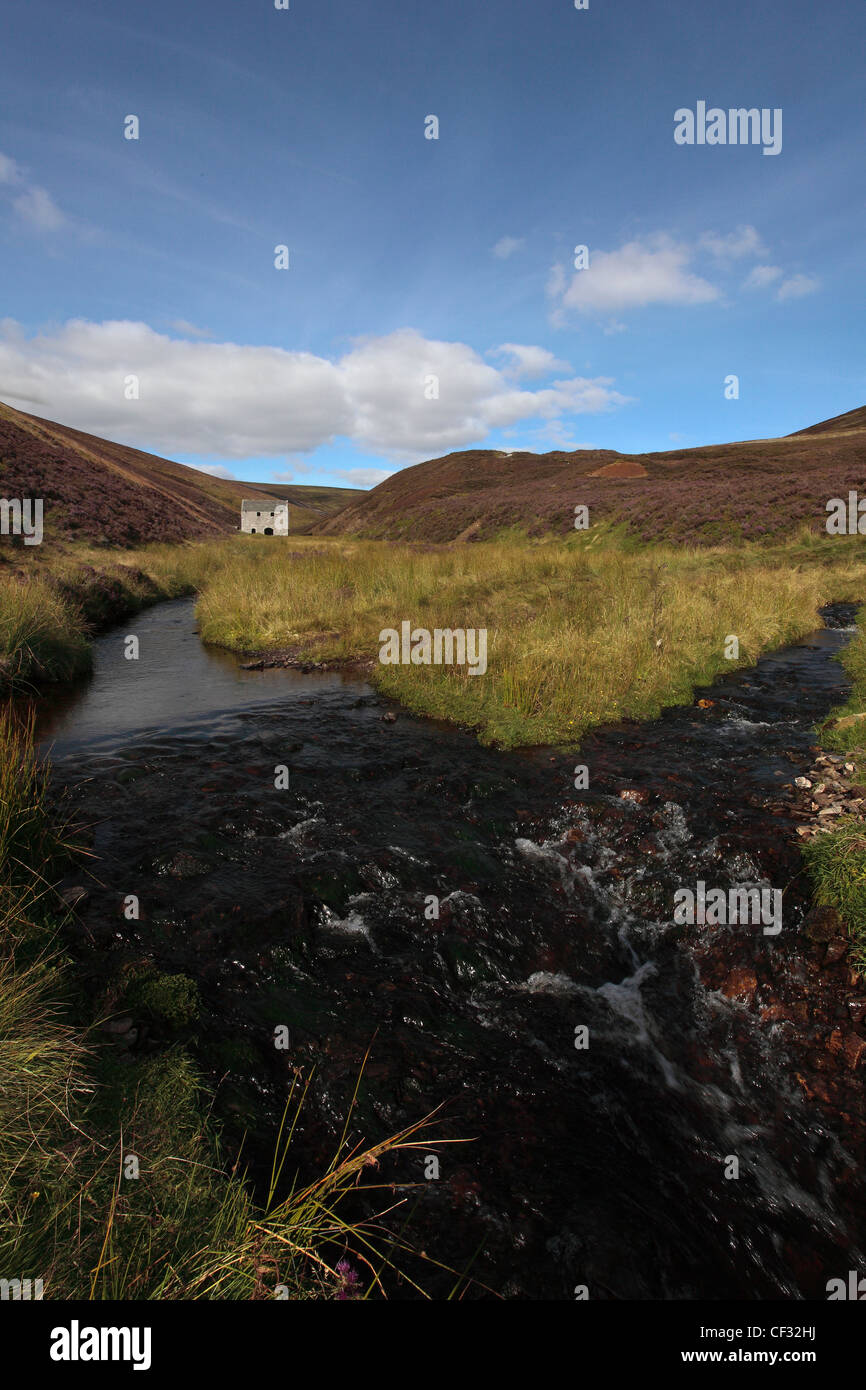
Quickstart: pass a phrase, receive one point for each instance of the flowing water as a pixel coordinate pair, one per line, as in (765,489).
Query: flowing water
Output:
(607,1165)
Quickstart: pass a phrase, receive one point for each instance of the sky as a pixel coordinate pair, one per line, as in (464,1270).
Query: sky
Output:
(432,300)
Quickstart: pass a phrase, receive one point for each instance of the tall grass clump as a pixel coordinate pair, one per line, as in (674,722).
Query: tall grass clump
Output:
(836,861)
(41,634)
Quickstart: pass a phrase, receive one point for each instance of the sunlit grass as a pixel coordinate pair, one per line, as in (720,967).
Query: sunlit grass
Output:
(578,633)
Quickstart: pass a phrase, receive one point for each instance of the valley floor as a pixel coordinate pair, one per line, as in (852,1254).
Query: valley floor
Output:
(588,631)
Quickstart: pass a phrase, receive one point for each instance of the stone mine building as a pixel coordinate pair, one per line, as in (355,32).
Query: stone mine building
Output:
(266,515)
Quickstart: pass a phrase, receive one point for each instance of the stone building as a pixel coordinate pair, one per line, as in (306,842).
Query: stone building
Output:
(266,515)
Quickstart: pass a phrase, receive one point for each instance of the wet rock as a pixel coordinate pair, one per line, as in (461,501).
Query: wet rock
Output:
(836,949)
(389,718)
(802,782)
(636,794)
(742,984)
(773,1013)
(117,1027)
(183,865)
(853,1050)
(857,1010)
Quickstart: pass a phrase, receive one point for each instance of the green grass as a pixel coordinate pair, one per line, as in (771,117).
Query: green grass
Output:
(837,858)
(844,729)
(837,864)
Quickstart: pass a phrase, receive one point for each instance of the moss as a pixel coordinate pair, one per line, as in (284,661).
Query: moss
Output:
(173,999)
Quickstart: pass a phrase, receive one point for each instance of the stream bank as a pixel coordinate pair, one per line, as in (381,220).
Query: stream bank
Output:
(308,908)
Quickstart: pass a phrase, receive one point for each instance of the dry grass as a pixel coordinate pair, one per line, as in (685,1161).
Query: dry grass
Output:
(579,632)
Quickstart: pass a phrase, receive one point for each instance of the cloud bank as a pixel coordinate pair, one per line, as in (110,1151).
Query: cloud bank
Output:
(232,401)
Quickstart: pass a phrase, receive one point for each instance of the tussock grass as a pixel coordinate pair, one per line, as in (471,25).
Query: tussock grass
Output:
(837,863)
(41,635)
(579,632)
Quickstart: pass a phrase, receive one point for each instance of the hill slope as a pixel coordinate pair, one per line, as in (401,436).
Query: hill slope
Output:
(719,492)
(93,489)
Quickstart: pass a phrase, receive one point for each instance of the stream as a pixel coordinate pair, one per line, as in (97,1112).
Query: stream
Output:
(604,1166)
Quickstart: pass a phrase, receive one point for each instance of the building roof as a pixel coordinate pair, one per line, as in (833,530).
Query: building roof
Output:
(262,504)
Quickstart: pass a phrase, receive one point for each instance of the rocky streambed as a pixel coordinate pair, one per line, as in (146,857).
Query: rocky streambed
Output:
(505,945)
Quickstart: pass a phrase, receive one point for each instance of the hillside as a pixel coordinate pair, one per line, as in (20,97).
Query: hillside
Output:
(758,488)
(95,490)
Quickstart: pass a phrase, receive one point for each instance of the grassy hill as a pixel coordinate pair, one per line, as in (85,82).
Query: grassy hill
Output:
(95,490)
(722,492)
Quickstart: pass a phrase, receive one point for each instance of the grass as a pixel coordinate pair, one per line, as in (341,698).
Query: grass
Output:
(837,863)
(52,602)
(112,1185)
(837,858)
(580,632)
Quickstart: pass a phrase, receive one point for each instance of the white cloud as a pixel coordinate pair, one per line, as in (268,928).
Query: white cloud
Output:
(216,470)
(34,205)
(290,475)
(557,436)
(37,208)
(9,170)
(745,241)
(635,276)
(796,286)
(507,246)
(189,330)
(528,361)
(761,276)
(363,477)
(659,270)
(228,401)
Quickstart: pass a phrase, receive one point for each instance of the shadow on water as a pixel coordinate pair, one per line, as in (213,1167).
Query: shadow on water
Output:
(602,1166)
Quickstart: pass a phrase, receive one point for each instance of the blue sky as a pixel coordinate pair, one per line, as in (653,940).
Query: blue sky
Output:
(411,258)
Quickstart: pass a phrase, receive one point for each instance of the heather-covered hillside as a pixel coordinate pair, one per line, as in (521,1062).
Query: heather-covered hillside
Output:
(749,490)
(95,490)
